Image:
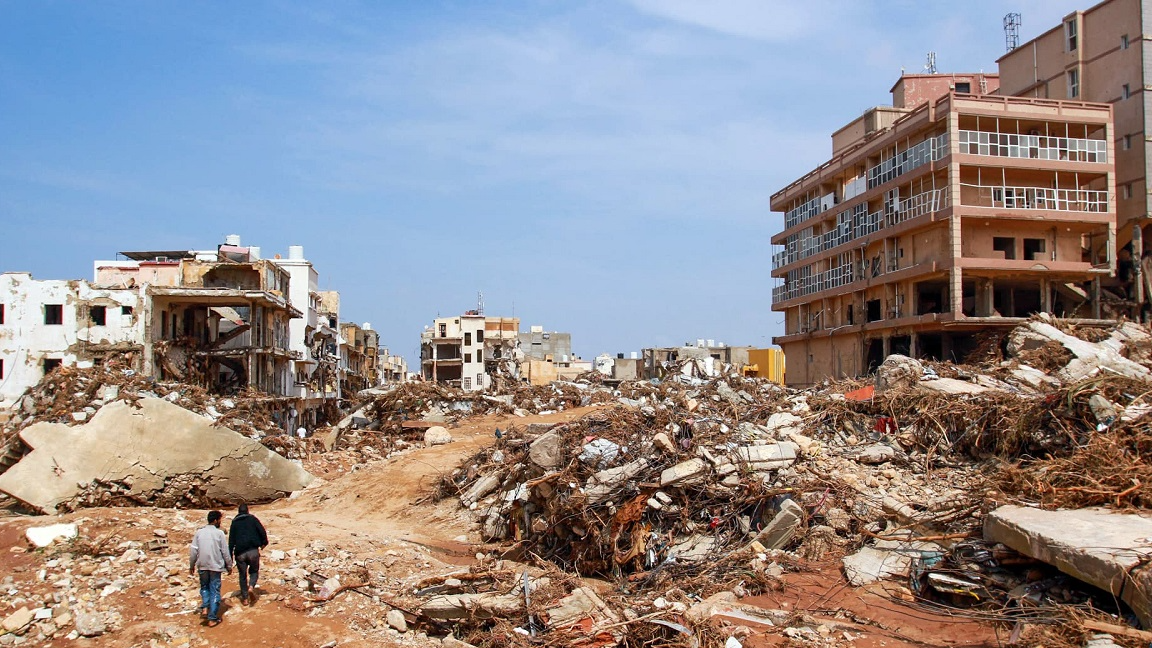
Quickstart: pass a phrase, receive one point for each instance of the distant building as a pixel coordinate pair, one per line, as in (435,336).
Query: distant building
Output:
(714,357)
(468,350)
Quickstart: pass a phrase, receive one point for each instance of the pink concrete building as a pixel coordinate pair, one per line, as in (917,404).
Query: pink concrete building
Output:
(950,213)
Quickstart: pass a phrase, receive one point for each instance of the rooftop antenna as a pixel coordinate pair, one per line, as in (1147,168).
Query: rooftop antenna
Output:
(480,302)
(930,66)
(1012,31)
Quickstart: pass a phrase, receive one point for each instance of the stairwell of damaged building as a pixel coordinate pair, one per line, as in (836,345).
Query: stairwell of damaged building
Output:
(226,319)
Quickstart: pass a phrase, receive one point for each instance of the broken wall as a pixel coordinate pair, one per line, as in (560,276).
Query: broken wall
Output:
(66,322)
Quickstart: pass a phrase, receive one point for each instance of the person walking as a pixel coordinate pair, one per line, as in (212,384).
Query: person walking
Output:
(209,554)
(246,537)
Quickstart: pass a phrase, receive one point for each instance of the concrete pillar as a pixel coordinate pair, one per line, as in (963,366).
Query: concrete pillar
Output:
(914,345)
(1045,295)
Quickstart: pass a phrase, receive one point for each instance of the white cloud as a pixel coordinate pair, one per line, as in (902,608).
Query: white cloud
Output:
(767,20)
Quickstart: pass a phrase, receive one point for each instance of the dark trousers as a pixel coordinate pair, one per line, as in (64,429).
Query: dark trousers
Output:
(248,564)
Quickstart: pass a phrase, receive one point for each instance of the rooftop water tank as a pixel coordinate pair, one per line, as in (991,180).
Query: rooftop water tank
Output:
(232,239)
(296,252)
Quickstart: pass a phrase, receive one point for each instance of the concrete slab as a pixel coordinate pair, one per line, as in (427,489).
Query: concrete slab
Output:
(1095,545)
(158,452)
(953,386)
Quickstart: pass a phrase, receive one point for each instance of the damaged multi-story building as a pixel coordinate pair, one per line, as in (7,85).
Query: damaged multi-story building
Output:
(1102,54)
(953,212)
(217,319)
(227,319)
(467,351)
(45,324)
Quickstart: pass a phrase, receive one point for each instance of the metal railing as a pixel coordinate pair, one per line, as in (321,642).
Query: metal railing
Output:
(860,224)
(1032,147)
(1037,198)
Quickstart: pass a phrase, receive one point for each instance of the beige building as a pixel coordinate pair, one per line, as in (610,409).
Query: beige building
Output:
(950,212)
(1102,55)
(468,350)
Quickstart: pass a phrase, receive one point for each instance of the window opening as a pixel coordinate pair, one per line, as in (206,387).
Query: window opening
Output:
(98,315)
(1005,244)
(53,314)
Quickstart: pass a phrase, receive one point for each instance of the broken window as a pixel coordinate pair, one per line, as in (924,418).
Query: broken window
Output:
(1033,249)
(50,364)
(479,336)
(467,339)
(874,309)
(467,357)
(53,314)
(1005,244)
(98,315)
(480,355)
(964,87)
(850,315)
(443,330)
(125,310)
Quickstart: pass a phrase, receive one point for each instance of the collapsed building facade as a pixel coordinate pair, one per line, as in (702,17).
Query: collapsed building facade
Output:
(226,320)
(951,213)
(46,324)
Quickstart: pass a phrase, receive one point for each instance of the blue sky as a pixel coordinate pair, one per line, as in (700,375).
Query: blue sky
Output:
(600,167)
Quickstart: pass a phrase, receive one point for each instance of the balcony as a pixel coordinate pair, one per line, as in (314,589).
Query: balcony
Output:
(859,224)
(1032,147)
(1035,198)
(834,278)
(929,150)
(919,205)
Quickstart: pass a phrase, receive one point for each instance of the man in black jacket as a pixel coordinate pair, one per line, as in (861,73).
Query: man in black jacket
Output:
(246,537)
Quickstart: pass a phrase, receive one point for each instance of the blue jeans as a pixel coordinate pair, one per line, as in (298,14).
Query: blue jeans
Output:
(210,593)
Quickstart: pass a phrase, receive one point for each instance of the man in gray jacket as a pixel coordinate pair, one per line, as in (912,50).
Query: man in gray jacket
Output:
(210,555)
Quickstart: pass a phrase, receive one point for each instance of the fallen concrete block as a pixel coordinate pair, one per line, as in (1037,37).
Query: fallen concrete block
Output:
(685,471)
(876,454)
(582,603)
(547,451)
(158,453)
(767,457)
(953,386)
(898,371)
(602,484)
(694,549)
(482,487)
(46,535)
(18,620)
(1097,546)
(783,527)
(437,435)
(885,560)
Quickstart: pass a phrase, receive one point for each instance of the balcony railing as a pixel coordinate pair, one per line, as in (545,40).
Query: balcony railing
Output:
(1033,147)
(929,150)
(919,205)
(1036,198)
(860,224)
(834,278)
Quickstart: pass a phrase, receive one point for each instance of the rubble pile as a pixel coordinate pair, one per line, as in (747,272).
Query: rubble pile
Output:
(72,395)
(671,481)
(385,423)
